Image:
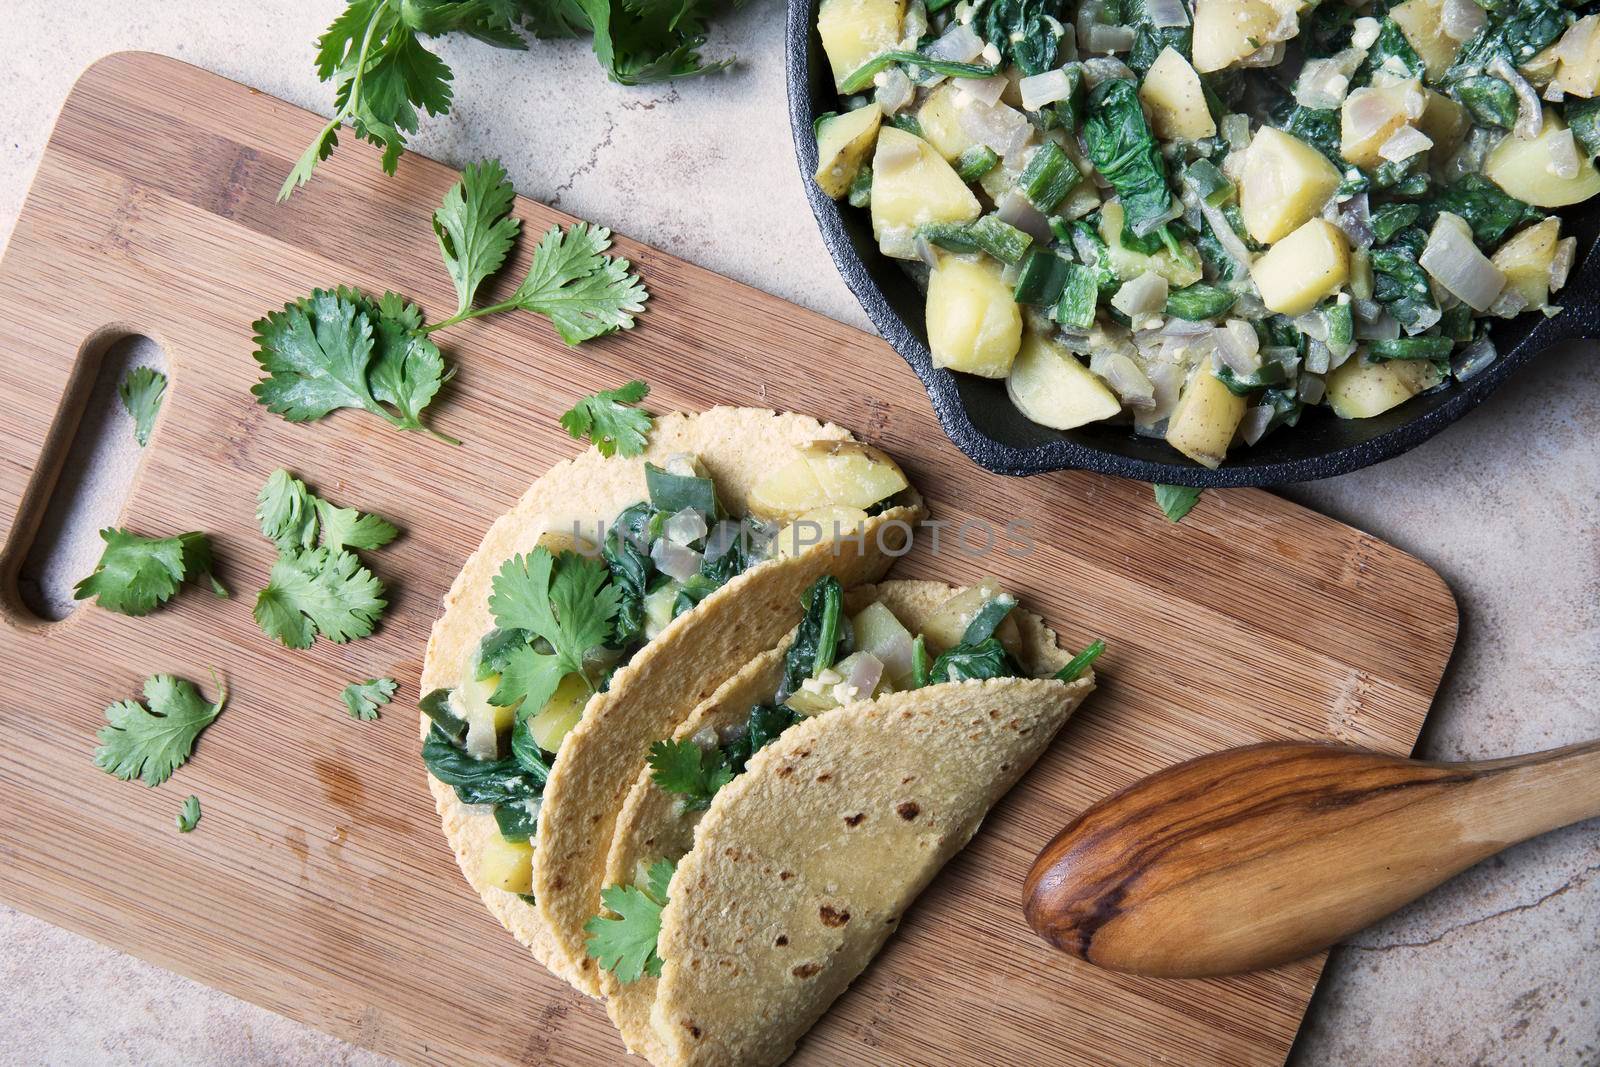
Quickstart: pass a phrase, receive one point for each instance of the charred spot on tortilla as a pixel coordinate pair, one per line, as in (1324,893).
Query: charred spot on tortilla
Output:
(831,916)
(855,820)
(908,810)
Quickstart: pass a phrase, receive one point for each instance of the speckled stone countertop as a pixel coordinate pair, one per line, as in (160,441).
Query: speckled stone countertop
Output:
(1500,966)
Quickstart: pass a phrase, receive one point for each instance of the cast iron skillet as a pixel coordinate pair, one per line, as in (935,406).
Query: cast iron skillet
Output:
(981,420)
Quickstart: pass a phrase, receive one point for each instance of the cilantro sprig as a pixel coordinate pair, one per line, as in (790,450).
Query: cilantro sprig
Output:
(363,699)
(151,742)
(142,390)
(684,767)
(317,586)
(340,348)
(607,420)
(137,574)
(384,78)
(569,601)
(626,945)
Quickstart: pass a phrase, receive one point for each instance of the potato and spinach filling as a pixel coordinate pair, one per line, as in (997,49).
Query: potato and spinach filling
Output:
(1203,217)
(574,610)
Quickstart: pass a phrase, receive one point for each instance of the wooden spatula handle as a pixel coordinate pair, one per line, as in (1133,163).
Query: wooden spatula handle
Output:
(1256,856)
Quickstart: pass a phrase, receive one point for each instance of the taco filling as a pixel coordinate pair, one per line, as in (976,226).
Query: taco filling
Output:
(578,607)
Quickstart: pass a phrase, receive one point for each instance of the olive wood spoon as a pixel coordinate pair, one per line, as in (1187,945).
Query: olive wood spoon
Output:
(1256,856)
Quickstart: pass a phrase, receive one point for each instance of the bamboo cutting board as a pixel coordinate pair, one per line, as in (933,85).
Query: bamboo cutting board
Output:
(318,884)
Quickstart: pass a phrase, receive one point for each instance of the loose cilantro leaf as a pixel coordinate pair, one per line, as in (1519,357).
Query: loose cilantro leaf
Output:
(293,517)
(150,743)
(319,352)
(606,419)
(584,294)
(319,591)
(567,600)
(475,227)
(141,391)
(626,945)
(363,699)
(1176,501)
(135,574)
(189,816)
(684,767)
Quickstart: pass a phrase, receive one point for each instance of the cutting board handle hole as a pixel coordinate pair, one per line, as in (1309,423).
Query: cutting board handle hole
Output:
(95,459)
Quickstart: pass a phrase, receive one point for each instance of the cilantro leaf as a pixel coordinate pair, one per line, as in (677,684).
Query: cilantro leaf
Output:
(409,368)
(569,601)
(136,574)
(475,227)
(626,945)
(150,743)
(684,767)
(287,511)
(319,591)
(607,421)
(584,294)
(142,390)
(349,528)
(363,699)
(1176,501)
(189,817)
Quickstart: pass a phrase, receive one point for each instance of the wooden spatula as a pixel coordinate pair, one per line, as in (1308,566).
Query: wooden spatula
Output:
(1256,856)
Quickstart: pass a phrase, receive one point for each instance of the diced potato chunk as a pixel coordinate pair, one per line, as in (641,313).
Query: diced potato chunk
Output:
(853,31)
(1525,169)
(912,185)
(1359,390)
(1285,182)
(506,864)
(1525,261)
(1423,25)
(974,323)
(1445,122)
(842,144)
(1206,418)
(940,119)
(487,724)
(1050,386)
(1371,115)
(819,526)
(1309,264)
(852,474)
(1128,264)
(878,631)
(1579,49)
(946,627)
(1225,31)
(845,474)
(560,713)
(1177,104)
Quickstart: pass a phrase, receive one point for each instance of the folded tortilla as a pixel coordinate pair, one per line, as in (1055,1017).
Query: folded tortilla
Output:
(802,866)
(601,757)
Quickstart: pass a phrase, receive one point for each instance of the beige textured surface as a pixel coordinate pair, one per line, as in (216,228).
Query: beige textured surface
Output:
(737,446)
(1499,966)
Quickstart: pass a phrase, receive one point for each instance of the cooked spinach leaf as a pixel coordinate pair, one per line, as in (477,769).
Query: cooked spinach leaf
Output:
(816,644)
(1490,212)
(766,722)
(504,781)
(986,659)
(1126,154)
(1027,32)
(626,552)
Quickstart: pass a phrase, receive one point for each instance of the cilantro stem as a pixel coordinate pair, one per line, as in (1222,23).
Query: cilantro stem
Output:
(355,92)
(470,313)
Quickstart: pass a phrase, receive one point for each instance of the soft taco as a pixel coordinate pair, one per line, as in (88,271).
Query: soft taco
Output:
(615,596)
(808,801)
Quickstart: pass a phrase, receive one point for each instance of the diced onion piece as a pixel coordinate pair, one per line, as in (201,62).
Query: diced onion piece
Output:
(1254,424)
(914,27)
(894,90)
(723,536)
(1322,84)
(1453,260)
(1530,113)
(1227,238)
(1164,13)
(1564,161)
(684,527)
(1310,389)
(1427,318)
(1038,90)
(1103,38)
(1313,325)
(997,126)
(1124,377)
(1015,208)
(1144,295)
(1355,219)
(1105,69)
(1268,55)
(1364,33)
(1238,347)
(1382,328)
(925,251)
(959,44)
(1145,227)
(1235,130)
(865,673)
(674,560)
(1406,142)
(1318,357)
(706,738)
(1561,262)
(1462,19)
(1472,359)
(985,91)
(1509,304)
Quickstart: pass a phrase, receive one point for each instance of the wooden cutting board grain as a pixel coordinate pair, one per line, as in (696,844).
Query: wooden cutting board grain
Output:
(318,884)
